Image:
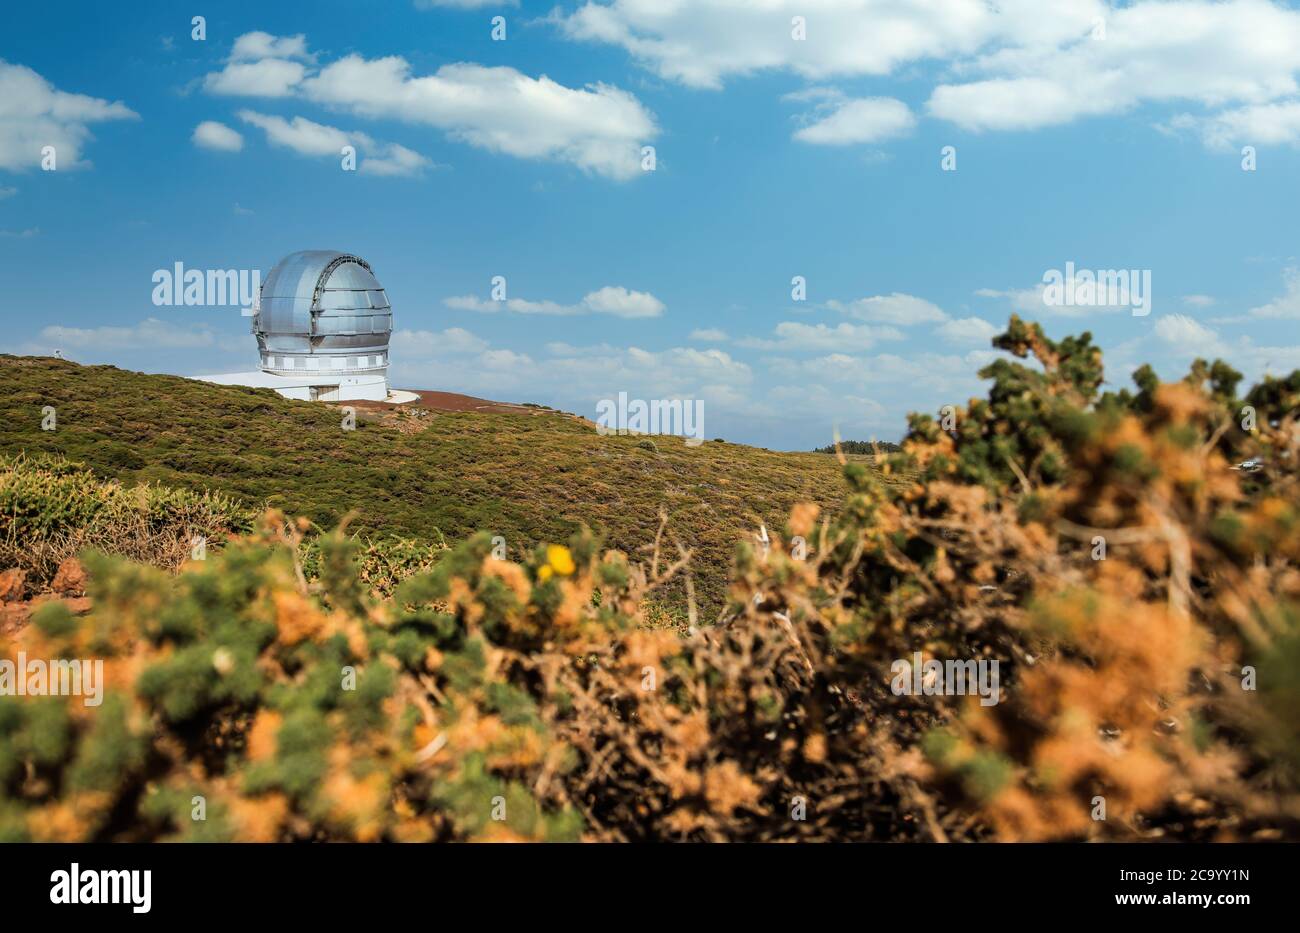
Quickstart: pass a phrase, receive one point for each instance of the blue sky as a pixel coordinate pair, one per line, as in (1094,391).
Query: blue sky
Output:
(1111,146)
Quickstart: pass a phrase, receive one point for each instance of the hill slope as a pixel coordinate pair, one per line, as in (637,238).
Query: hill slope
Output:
(529,477)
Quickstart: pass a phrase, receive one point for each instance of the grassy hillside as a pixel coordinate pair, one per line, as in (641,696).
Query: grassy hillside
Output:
(530,478)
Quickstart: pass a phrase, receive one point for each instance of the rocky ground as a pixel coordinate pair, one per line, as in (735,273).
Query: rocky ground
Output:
(17,602)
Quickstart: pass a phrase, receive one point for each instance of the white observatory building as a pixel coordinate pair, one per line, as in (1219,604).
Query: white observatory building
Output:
(322,324)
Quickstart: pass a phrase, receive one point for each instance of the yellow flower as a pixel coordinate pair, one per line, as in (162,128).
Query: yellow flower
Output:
(545,573)
(559,560)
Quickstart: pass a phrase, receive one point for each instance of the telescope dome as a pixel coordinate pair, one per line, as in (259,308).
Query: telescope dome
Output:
(323,311)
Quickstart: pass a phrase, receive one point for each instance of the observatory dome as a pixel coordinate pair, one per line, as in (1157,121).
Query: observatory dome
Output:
(322,311)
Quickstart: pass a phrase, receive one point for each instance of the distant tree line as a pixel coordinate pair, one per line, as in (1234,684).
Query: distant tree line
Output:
(861,447)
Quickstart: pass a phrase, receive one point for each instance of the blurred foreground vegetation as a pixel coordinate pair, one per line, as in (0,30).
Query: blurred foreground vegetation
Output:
(1140,593)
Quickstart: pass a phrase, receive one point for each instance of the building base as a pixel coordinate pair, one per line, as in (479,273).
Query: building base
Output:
(310,387)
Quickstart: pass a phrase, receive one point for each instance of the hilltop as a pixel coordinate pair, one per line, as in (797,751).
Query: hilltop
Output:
(429,472)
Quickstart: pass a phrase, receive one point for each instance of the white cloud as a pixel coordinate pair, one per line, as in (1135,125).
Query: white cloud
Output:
(709,334)
(518,305)
(1198,301)
(614,300)
(269,77)
(1286,306)
(1175,340)
(1023,300)
(598,128)
(303,136)
(817,94)
(682,365)
(306,137)
(424,344)
(21,234)
(1011,65)
(395,160)
(1020,104)
(1032,301)
(262,65)
(504,360)
(702,43)
(1184,333)
(1244,51)
(213,135)
(890,374)
(618,301)
(1256,125)
(149,333)
(885,385)
(257,45)
(795,335)
(576,378)
(895,308)
(968,330)
(35,114)
(867,120)
(833,408)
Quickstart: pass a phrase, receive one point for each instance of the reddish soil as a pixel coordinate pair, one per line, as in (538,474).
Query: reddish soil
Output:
(451,401)
(443,402)
(14,616)
(16,609)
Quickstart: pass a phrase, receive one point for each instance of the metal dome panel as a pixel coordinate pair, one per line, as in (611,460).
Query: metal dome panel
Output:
(349,275)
